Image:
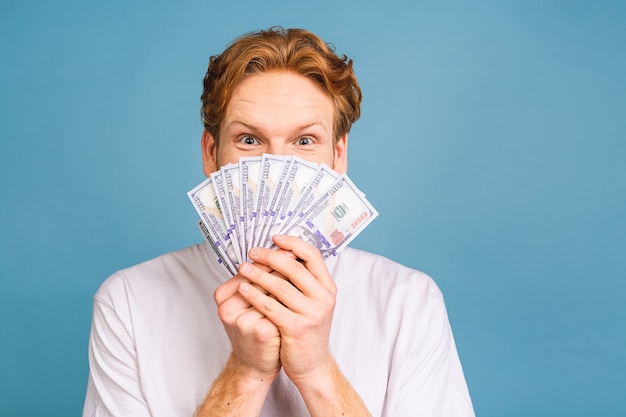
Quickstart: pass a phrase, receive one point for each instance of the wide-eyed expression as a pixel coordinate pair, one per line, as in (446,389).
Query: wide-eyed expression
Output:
(280,113)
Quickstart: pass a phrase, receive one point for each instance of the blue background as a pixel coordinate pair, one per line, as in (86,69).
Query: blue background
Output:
(492,141)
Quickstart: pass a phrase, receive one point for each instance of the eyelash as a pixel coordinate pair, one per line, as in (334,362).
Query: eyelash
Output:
(245,138)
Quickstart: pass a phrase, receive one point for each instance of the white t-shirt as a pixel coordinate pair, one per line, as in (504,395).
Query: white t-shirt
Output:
(157,344)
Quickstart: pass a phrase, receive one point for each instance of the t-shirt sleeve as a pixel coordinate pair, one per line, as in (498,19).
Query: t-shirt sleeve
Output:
(433,383)
(114,387)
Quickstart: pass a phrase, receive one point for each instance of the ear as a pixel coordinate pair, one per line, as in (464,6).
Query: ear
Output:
(209,153)
(340,159)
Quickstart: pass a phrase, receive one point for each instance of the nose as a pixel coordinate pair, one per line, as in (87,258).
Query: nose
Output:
(277,147)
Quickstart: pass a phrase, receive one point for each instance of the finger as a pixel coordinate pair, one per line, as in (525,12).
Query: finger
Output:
(248,316)
(233,307)
(286,267)
(312,261)
(268,306)
(308,254)
(230,304)
(227,289)
(279,288)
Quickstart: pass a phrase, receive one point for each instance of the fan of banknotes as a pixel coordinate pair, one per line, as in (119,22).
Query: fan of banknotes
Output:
(243,205)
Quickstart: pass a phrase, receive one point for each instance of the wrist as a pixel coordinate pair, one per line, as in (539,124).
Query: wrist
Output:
(327,392)
(247,376)
(237,391)
(319,380)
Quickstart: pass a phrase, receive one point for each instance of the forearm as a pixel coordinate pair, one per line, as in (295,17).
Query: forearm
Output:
(236,392)
(329,394)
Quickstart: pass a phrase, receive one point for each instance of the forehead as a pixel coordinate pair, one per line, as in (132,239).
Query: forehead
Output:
(278,97)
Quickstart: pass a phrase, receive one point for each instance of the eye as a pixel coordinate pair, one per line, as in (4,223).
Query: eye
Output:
(304,141)
(249,140)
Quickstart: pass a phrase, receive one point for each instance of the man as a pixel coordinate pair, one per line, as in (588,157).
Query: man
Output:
(290,334)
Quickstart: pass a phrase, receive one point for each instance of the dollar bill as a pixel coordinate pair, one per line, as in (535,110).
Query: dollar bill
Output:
(271,169)
(299,175)
(243,205)
(335,218)
(207,206)
(207,236)
(250,168)
(232,188)
(323,178)
(275,201)
(224,206)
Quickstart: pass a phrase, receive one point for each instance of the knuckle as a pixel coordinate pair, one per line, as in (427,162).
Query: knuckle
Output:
(263,333)
(321,313)
(328,296)
(331,301)
(332,289)
(316,254)
(318,315)
(224,313)
(270,304)
(241,323)
(282,285)
(300,328)
(274,257)
(218,295)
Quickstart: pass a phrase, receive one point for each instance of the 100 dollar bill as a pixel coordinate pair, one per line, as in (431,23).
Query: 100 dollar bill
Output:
(335,218)
(206,202)
(242,205)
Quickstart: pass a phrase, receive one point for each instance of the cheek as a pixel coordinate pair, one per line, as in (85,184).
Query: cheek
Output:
(224,156)
(327,156)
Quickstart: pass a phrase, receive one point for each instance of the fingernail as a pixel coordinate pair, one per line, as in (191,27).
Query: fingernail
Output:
(254,251)
(244,287)
(246,267)
(279,237)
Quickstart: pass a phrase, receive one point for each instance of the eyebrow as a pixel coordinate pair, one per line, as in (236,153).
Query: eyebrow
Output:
(304,126)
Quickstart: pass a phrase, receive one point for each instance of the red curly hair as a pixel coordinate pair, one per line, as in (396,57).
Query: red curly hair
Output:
(295,50)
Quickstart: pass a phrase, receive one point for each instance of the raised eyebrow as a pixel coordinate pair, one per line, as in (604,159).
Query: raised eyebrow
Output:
(311,130)
(310,125)
(243,128)
(255,130)
(240,123)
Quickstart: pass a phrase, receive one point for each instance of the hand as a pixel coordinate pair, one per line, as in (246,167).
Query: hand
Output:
(298,298)
(254,338)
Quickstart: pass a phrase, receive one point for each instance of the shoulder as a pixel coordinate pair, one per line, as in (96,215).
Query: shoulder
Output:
(376,289)
(186,269)
(357,267)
